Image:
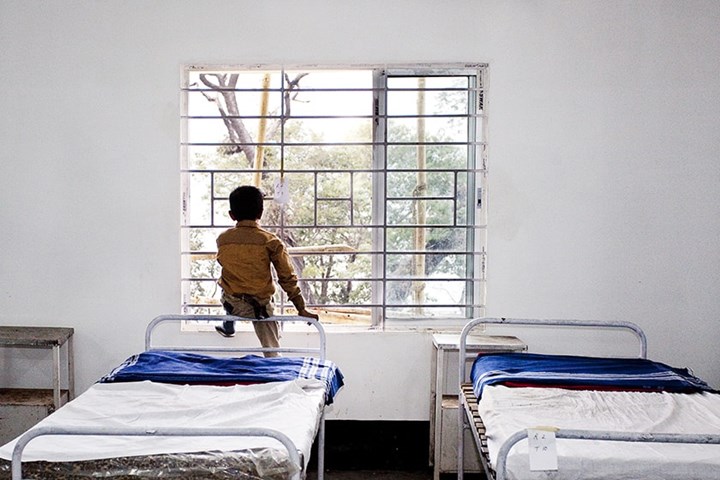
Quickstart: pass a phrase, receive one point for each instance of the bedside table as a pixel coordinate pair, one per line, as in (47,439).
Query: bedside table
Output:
(444,396)
(21,408)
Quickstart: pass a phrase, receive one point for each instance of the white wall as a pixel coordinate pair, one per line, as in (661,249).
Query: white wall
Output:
(604,173)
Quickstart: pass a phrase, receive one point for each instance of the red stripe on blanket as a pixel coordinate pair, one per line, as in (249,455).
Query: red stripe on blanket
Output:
(605,388)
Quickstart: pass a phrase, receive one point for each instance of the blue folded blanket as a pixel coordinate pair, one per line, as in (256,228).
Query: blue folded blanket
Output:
(567,371)
(192,368)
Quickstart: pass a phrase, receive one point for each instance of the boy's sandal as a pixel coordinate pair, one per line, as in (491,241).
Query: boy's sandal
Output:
(224,333)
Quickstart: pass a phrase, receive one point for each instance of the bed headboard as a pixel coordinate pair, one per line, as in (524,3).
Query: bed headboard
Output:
(319,351)
(635,329)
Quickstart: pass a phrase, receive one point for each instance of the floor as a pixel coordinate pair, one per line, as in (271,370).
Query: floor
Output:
(378,450)
(389,475)
(376,475)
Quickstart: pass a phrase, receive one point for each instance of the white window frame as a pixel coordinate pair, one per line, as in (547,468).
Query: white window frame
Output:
(476,183)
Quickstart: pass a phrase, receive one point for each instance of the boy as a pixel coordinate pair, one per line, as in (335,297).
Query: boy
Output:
(246,253)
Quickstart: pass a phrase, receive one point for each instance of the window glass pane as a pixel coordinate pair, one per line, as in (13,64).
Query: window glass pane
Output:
(435,184)
(216,157)
(333,185)
(333,212)
(344,103)
(221,217)
(333,79)
(440,264)
(447,293)
(199,189)
(328,130)
(203,266)
(404,212)
(247,103)
(328,157)
(437,156)
(362,198)
(270,158)
(436,239)
(339,292)
(202,239)
(206,131)
(225,182)
(436,130)
(337,239)
(199,80)
(443,82)
(203,292)
(301,208)
(435,102)
(427,292)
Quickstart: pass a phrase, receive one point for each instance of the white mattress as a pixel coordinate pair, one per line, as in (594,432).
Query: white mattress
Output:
(508,410)
(293,408)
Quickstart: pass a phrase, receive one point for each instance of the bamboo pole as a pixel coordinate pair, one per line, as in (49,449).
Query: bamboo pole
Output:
(261,130)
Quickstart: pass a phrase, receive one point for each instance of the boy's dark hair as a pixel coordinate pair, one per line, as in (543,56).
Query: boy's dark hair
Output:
(246,203)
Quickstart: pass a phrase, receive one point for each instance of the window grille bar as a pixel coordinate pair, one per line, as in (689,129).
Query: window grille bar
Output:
(213,199)
(352,198)
(348,226)
(325,144)
(331,306)
(327,170)
(359,252)
(330,117)
(315,195)
(359,279)
(335,199)
(335,89)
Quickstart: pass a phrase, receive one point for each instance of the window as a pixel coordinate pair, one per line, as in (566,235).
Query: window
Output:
(374,178)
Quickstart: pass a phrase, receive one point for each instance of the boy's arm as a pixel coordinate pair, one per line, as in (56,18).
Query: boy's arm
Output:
(288,279)
(308,314)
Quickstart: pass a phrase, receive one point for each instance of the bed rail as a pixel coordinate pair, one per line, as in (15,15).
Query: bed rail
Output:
(501,463)
(320,350)
(179,431)
(462,367)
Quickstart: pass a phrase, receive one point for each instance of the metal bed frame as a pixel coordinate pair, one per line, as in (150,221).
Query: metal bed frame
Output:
(320,351)
(465,410)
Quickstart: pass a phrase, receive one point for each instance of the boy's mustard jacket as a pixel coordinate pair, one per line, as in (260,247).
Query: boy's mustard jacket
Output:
(246,253)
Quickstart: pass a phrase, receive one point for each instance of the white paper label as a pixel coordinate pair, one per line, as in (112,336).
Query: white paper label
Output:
(543,452)
(282,191)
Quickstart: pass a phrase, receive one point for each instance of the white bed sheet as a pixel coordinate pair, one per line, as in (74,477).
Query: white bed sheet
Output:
(292,407)
(507,410)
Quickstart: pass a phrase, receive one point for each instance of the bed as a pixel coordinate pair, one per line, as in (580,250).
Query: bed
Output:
(200,412)
(536,416)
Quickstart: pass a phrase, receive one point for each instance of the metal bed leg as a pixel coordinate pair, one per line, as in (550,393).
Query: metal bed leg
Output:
(321,448)
(461,437)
